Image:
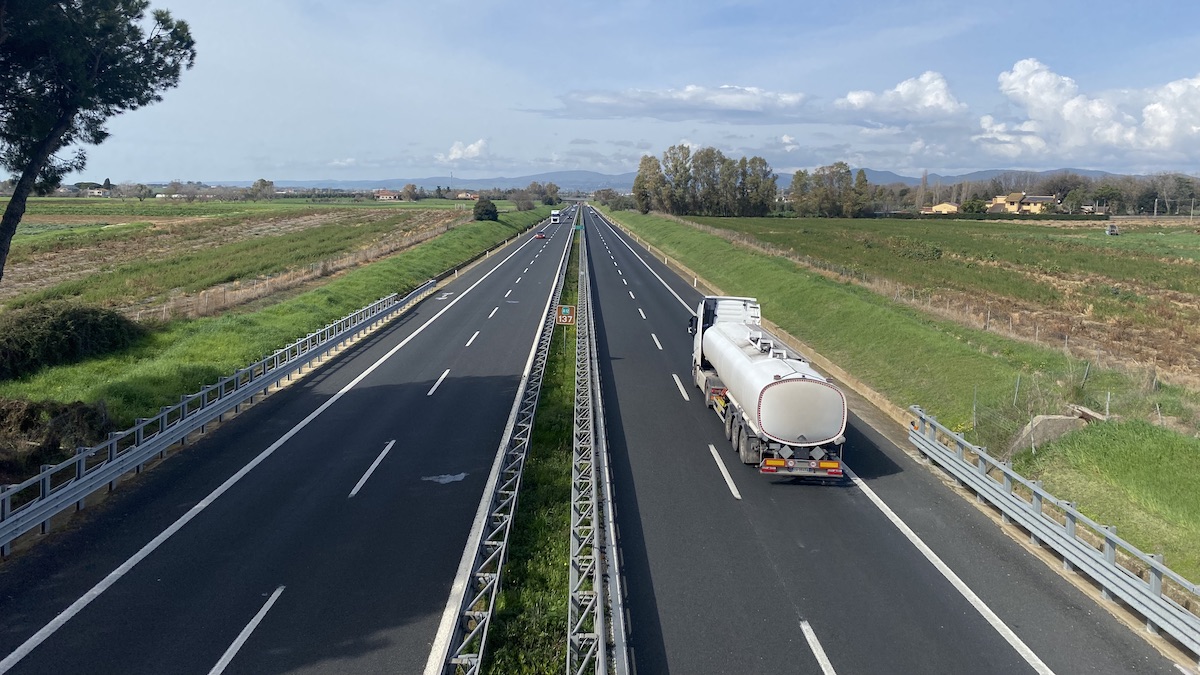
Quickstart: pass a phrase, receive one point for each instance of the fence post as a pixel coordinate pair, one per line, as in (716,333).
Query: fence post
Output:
(1156,576)
(5,510)
(1008,489)
(44,491)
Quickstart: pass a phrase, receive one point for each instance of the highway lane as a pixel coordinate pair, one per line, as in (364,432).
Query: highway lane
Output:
(336,552)
(775,577)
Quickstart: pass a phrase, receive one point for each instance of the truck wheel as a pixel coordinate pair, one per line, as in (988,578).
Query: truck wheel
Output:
(747,448)
(728,424)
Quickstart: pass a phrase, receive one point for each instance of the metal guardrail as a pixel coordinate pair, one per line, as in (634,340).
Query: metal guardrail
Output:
(33,502)
(1125,574)
(469,638)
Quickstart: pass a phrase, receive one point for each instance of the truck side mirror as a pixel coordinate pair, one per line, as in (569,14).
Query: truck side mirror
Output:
(692,326)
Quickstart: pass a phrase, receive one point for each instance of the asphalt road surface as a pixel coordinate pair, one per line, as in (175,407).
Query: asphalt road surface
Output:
(319,531)
(730,571)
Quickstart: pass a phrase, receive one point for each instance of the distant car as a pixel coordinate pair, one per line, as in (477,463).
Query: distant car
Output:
(540,235)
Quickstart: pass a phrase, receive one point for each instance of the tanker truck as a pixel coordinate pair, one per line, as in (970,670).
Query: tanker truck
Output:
(780,414)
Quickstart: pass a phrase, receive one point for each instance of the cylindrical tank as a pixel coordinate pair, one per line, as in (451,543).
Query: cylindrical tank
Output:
(786,399)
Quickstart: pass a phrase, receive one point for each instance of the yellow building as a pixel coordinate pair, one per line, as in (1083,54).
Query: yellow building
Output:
(1019,202)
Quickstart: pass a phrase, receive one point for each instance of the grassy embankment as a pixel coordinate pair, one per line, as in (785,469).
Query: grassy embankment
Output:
(529,632)
(913,358)
(186,354)
(121,209)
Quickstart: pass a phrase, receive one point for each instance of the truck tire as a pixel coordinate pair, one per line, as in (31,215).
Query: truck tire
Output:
(747,448)
(728,424)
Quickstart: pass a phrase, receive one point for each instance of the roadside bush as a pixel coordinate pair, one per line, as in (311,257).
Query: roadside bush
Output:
(485,209)
(59,332)
(33,433)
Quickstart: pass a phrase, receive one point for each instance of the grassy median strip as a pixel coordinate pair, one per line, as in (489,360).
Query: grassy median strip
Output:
(913,358)
(187,354)
(528,635)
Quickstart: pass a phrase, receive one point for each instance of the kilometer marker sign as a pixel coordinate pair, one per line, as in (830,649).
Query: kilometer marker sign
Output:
(565,315)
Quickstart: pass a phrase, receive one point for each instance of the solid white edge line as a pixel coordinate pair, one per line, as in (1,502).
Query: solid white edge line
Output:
(682,391)
(64,616)
(959,585)
(818,651)
(472,339)
(656,342)
(494,310)
(724,472)
(647,265)
(227,657)
(440,648)
(642,313)
(438,383)
(363,481)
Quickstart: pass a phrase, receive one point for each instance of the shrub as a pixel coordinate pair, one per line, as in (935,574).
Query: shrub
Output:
(486,210)
(58,332)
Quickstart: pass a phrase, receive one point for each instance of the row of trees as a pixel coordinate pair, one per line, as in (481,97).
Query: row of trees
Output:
(705,183)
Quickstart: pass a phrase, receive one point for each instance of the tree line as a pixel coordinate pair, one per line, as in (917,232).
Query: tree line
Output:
(704,183)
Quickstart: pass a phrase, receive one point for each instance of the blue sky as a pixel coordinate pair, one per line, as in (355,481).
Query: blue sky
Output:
(376,89)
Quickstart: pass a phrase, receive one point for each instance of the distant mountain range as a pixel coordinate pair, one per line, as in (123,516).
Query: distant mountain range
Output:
(588,181)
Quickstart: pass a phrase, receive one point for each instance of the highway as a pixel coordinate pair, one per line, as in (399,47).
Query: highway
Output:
(317,532)
(730,571)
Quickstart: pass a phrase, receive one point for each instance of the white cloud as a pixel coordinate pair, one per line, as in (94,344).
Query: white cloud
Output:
(1060,121)
(343,163)
(925,96)
(726,103)
(461,150)
(789,143)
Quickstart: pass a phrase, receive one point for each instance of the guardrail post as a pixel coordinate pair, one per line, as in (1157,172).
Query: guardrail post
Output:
(1068,509)
(44,492)
(1156,576)
(112,452)
(981,464)
(5,510)
(1008,489)
(1035,505)
(81,455)
(1110,555)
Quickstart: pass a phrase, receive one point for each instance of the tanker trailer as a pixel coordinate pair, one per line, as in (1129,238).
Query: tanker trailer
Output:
(780,414)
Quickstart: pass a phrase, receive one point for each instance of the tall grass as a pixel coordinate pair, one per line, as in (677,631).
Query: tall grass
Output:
(529,631)
(190,353)
(1135,476)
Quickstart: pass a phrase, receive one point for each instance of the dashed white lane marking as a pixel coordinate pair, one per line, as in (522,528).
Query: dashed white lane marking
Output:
(526,271)
(438,383)
(363,481)
(519,279)
(642,313)
(656,342)
(682,391)
(631,295)
(494,310)
(958,584)
(620,273)
(647,266)
(724,472)
(472,339)
(227,657)
(815,645)
(625,281)
(509,292)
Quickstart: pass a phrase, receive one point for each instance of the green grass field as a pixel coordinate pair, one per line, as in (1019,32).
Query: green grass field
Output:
(196,270)
(1024,261)
(187,354)
(528,635)
(110,209)
(913,358)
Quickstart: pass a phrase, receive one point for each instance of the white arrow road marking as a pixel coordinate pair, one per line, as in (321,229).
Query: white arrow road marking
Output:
(227,657)
(445,478)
